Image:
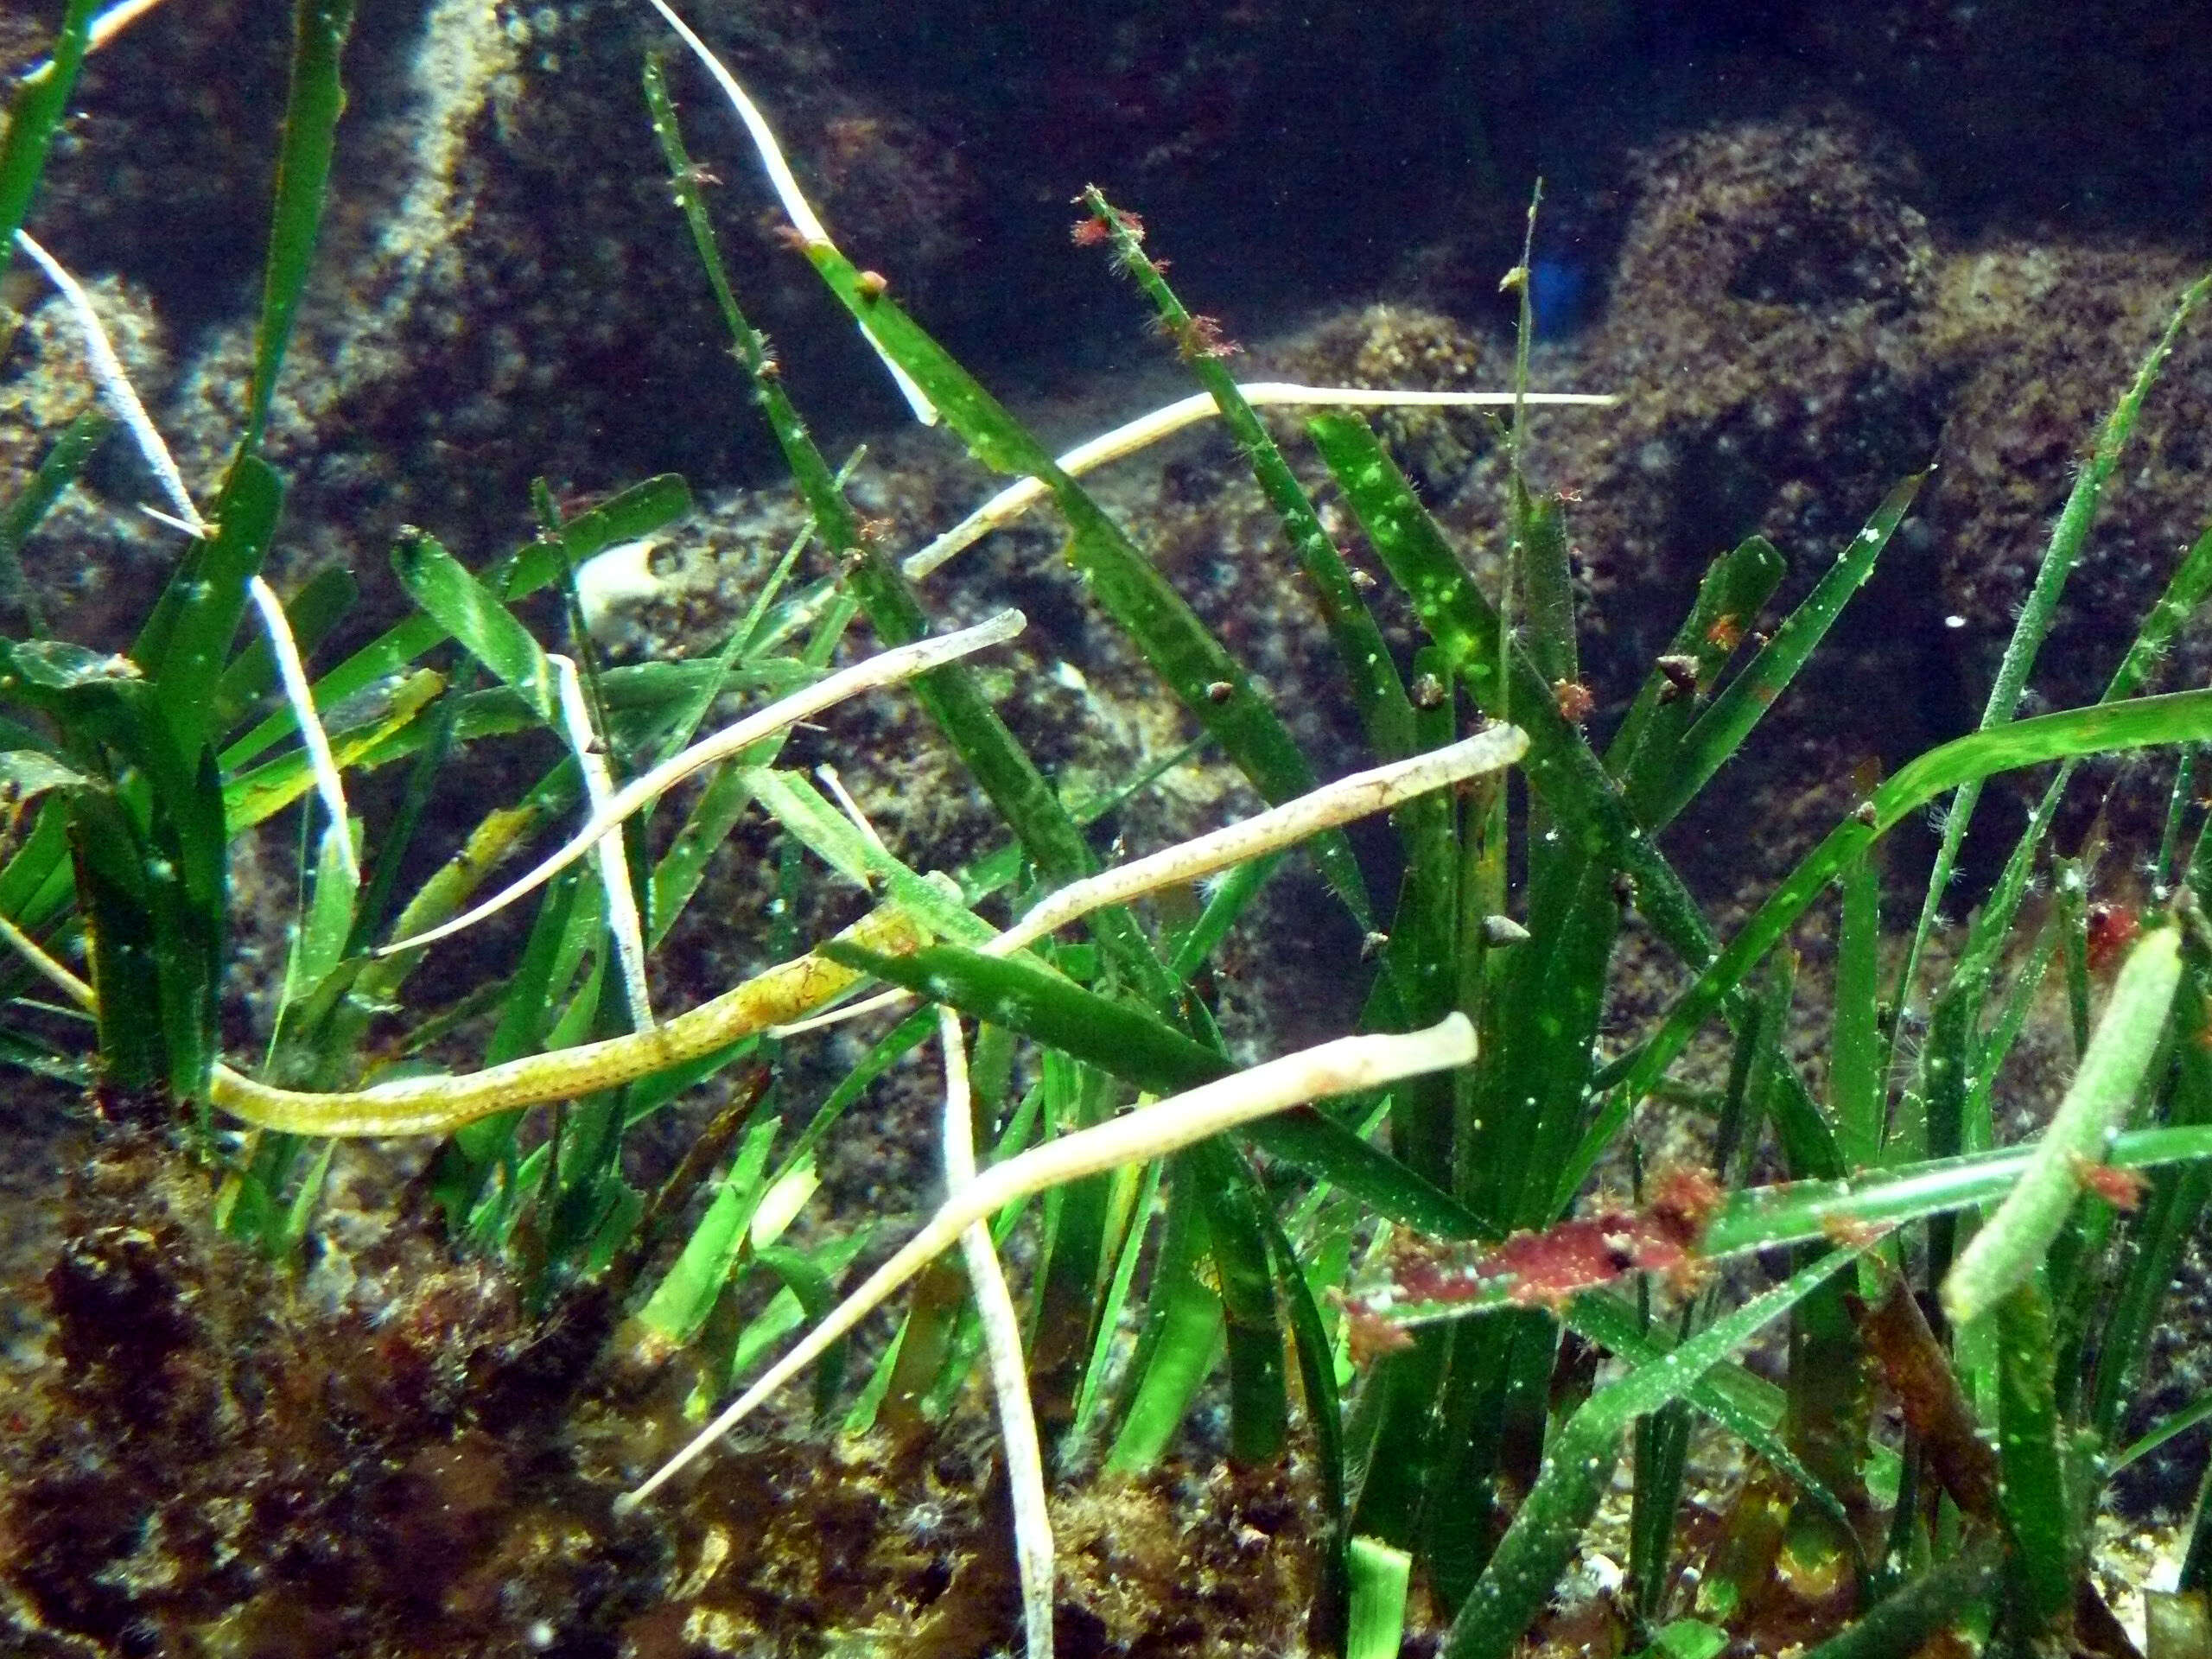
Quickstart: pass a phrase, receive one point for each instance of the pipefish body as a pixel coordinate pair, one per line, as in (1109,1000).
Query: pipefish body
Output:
(439,1105)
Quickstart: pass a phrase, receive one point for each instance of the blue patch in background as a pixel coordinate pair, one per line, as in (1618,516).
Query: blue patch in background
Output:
(1560,295)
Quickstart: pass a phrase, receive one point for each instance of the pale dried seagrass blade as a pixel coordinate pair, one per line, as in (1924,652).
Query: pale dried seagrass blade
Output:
(885,668)
(1345,1065)
(1376,790)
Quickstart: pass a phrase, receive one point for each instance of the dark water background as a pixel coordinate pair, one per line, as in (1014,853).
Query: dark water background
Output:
(1300,153)
(1814,248)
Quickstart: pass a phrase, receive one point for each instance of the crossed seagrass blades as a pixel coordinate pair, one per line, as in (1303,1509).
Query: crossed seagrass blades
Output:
(917,910)
(783,993)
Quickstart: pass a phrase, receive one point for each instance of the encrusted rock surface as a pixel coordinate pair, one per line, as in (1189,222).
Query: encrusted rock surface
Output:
(387,1455)
(1790,336)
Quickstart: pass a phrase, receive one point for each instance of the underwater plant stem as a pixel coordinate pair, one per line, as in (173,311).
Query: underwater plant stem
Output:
(35,112)
(1343,1066)
(439,1105)
(2175,717)
(2037,611)
(115,387)
(613,864)
(36,954)
(113,21)
(1001,1324)
(292,674)
(1012,502)
(121,399)
(796,207)
(2004,1254)
(1380,1577)
(1364,793)
(885,668)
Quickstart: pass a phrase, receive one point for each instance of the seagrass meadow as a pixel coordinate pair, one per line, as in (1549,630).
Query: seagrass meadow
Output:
(963,830)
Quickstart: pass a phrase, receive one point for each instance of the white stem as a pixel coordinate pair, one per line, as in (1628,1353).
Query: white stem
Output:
(35,953)
(614,861)
(113,22)
(850,807)
(115,386)
(994,1312)
(117,393)
(786,183)
(102,29)
(170,521)
(885,668)
(292,674)
(1343,1066)
(1332,805)
(1010,503)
